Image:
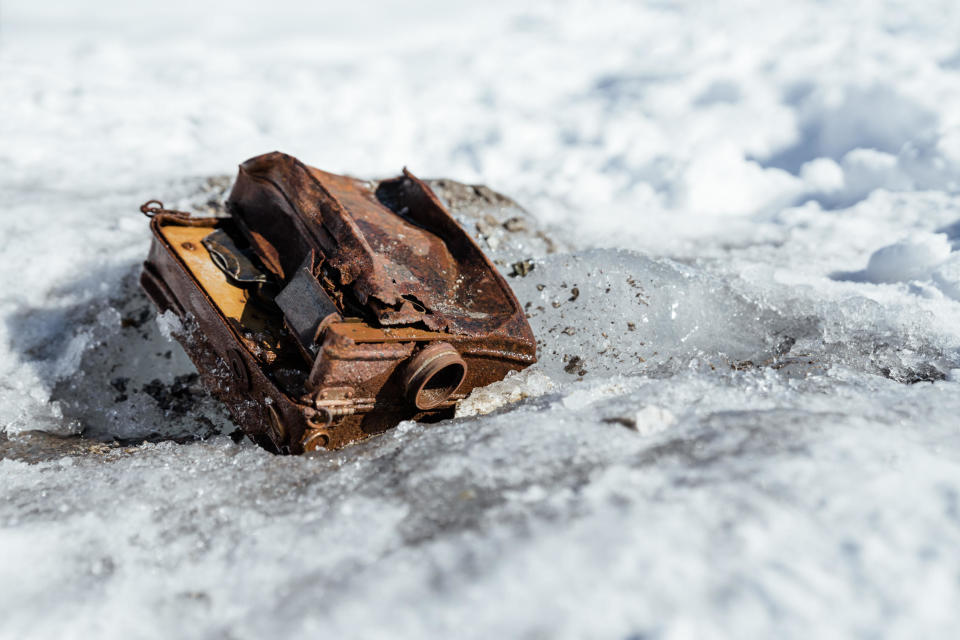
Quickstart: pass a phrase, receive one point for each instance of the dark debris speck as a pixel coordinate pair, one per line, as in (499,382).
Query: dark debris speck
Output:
(522,268)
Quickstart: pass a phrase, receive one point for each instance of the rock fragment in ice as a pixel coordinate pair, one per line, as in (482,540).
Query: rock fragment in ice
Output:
(502,228)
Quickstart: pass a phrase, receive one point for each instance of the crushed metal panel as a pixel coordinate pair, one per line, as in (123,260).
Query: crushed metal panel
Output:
(392,244)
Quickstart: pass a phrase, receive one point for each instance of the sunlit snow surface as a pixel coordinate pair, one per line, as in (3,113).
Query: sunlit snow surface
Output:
(744,226)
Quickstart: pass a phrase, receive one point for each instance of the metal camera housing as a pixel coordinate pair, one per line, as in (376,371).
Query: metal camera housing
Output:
(325,309)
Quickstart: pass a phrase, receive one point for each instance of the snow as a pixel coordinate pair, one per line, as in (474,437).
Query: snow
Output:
(912,258)
(744,228)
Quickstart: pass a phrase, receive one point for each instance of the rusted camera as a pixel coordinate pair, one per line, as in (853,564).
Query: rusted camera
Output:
(325,309)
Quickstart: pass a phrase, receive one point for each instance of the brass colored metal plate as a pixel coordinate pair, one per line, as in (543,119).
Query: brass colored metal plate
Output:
(232,301)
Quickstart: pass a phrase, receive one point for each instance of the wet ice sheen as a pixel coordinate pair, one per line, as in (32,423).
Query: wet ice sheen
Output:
(741,263)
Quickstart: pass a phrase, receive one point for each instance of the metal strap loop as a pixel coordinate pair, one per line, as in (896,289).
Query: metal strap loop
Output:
(151,208)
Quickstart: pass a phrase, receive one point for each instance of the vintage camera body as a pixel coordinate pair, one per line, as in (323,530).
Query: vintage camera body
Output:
(326,309)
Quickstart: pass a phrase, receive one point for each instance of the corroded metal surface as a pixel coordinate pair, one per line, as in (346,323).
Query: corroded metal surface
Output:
(325,309)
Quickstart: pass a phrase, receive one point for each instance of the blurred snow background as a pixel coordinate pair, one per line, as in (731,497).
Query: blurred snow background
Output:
(746,418)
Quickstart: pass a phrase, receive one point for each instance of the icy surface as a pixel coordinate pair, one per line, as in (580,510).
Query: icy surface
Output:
(741,248)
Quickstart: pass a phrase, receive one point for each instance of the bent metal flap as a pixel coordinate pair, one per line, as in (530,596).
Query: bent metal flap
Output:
(325,309)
